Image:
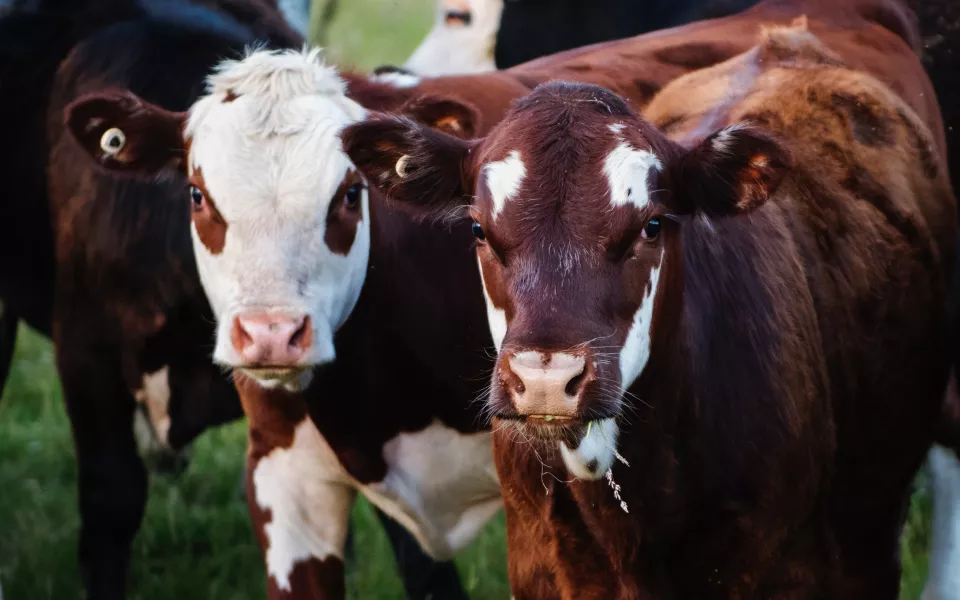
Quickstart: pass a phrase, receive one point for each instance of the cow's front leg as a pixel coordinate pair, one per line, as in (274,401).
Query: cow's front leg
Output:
(112,478)
(300,505)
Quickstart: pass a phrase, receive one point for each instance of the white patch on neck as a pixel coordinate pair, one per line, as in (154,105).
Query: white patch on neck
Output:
(627,169)
(598,446)
(155,397)
(397,80)
(309,499)
(943,579)
(504,179)
(636,348)
(496,317)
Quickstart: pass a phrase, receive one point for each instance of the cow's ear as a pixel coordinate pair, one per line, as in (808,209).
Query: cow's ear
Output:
(419,169)
(734,170)
(443,114)
(126,134)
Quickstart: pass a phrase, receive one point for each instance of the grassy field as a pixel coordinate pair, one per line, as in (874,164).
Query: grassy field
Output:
(196,541)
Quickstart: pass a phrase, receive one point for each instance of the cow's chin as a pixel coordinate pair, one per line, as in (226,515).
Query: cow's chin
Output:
(292,379)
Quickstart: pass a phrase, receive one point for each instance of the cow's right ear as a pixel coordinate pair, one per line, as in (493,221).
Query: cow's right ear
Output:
(126,134)
(419,169)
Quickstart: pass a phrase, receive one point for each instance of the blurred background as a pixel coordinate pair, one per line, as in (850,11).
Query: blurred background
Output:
(196,541)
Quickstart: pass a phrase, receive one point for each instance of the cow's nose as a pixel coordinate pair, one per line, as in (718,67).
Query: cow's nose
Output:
(545,383)
(270,339)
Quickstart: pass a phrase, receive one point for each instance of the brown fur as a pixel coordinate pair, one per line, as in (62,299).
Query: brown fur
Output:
(210,225)
(797,363)
(342,220)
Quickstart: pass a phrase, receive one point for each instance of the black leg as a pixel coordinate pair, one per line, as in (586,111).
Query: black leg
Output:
(112,478)
(423,578)
(8,337)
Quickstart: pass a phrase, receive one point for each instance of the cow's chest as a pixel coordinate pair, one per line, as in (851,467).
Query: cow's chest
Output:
(439,484)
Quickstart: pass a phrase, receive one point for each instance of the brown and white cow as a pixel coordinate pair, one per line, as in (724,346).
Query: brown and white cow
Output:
(721,342)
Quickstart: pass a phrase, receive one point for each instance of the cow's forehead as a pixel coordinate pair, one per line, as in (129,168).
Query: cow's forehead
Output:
(244,170)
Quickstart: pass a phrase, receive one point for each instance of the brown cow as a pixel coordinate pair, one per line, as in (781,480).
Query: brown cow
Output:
(720,352)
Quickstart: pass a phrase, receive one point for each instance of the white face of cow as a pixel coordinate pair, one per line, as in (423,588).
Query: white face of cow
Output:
(280,217)
(461,41)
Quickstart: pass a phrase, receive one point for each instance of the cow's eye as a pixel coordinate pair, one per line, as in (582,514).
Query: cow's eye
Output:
(651,230)
(196,196)
(478,231)
(352,198)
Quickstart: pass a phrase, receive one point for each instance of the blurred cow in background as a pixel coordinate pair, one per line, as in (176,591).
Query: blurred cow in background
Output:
(461,40)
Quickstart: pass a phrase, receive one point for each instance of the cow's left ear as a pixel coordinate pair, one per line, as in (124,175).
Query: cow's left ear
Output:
(126,134)
(734,170)
(443,114)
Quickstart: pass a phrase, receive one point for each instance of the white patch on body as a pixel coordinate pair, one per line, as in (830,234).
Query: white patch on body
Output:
(496,317)
(627,170)
(297,14)
(504,178)
(309,498)
(441,485)
(272,161)
(943,578)
(451,49)
(636,347)
(599,444)
(151,419)
(397,80)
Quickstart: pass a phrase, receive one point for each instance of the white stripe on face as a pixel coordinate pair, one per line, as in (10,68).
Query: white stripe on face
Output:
(496,317)
(627,170)
(636,348)
(504,179)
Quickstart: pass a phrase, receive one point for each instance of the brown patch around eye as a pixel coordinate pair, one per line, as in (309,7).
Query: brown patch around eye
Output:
(211,227)
(342,219)
(230,97)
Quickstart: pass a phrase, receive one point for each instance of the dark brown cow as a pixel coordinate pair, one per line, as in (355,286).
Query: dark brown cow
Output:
(130,320)
(721,352)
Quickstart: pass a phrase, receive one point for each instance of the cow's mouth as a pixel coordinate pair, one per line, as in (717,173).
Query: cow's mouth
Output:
(292,378)
(550,427)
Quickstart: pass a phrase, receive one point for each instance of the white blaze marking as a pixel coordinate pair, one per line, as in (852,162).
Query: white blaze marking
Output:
(397,80)
(504,179)
(496,317)
(943,580)
(309,500)
(600,445)
(636,348)
(627,169)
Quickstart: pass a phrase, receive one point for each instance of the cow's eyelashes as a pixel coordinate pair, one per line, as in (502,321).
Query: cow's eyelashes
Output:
(196,197)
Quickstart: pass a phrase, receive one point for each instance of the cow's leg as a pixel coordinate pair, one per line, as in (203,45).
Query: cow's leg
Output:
(422,576)
(943,580)
(300,505)
(112,478)
(8,338)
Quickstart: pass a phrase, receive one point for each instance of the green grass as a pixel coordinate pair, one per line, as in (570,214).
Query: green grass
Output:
(196,541)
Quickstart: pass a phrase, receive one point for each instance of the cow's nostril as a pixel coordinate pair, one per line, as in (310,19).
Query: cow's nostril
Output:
(241,337)
(574,385)
(301,337)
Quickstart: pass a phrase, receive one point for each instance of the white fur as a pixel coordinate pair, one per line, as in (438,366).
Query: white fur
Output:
(297,14)
(627,170)
(453,49)
(272,161)
(397,80)
(309,498)
(504,178)
(440,484)
(496,317)
(636,348)
(599,444)
(943,579)
(155,397)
